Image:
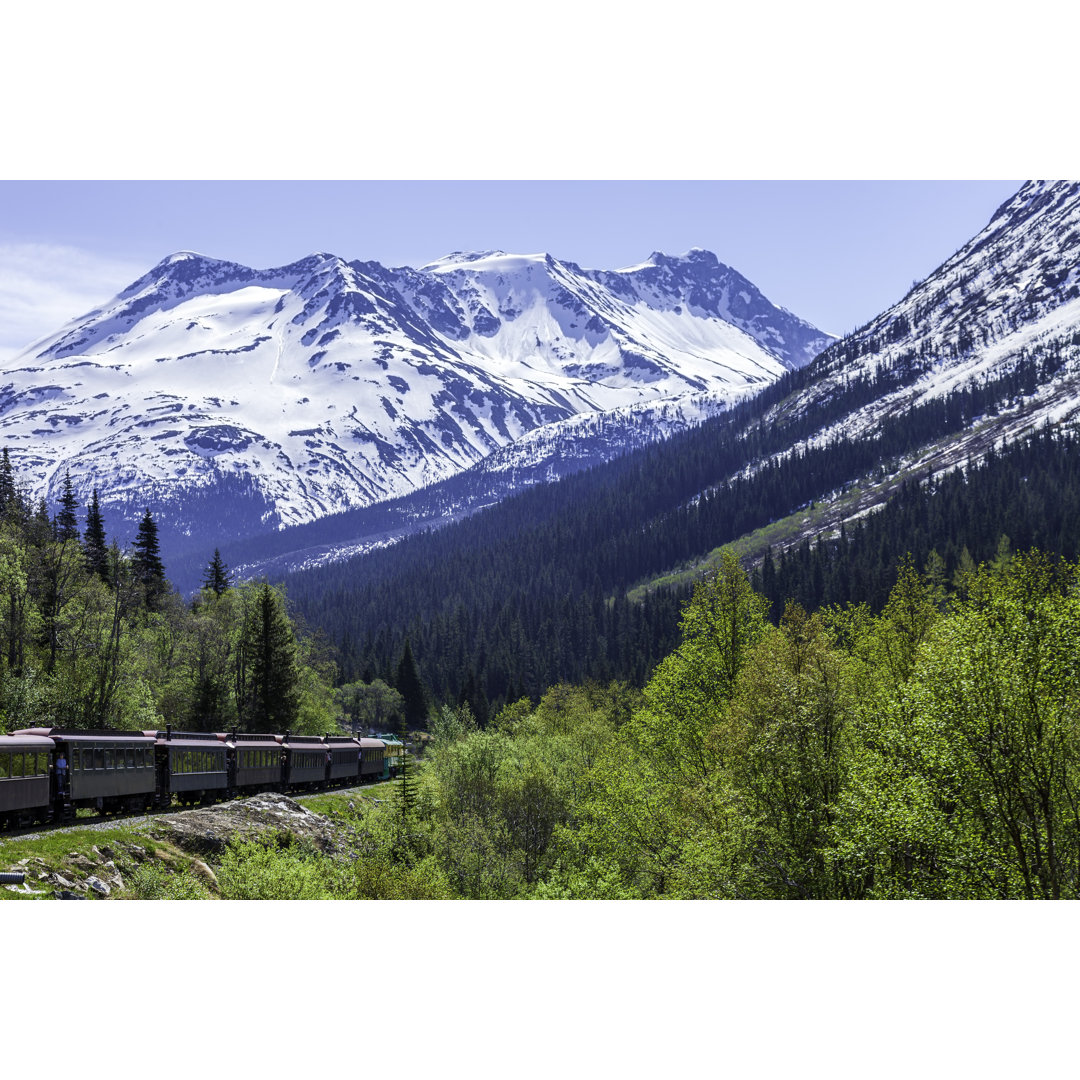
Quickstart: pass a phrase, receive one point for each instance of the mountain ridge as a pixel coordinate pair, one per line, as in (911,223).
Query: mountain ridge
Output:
(327,384)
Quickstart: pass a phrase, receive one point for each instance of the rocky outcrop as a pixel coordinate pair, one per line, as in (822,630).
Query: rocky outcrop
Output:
(208,830)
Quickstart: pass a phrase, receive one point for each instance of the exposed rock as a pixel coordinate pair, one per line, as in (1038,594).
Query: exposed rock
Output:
(208,830)
(62,882)
(98,886)
(80,861)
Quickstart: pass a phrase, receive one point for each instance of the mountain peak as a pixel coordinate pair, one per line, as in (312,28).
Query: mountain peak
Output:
(495,261)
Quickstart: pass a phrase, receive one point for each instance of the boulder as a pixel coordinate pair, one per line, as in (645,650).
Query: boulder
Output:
(98,886)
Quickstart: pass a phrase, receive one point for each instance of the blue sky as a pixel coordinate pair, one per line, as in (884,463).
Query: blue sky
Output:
(835,253)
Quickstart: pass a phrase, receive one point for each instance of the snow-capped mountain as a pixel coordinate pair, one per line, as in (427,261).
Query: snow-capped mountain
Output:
(322,385)
(1008,298)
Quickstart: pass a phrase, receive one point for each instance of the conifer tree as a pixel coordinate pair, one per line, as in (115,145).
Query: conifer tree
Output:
(217,577)
(9,493)
(408,685)
(94,546)
(65,525)
(268,670)
(146,562)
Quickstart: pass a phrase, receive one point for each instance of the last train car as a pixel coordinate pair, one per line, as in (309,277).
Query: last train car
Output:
(26,772)
(106,770)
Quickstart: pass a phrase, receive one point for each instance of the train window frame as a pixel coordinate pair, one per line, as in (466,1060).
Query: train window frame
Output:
(5,765)
(99,757)
(43,763)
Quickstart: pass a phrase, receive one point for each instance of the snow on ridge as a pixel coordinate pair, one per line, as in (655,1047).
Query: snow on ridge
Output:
(333,384)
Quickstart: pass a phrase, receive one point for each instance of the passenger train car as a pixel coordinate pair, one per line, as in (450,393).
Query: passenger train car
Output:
(46,774)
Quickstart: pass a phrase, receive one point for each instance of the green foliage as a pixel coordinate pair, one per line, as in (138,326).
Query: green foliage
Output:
(272,870)
(969,782)
(91,637)
(370,705)
(154,881)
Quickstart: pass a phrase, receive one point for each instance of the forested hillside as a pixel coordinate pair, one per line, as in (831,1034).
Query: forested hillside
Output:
(533,591)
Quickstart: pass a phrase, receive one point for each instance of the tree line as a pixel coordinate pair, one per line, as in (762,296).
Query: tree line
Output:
(92,636)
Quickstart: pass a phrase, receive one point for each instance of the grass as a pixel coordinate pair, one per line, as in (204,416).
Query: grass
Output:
(328,802)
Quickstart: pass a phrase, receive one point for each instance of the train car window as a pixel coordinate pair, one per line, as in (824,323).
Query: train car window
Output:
(16,764)
(99,757)
(130,755)
(43,764)
(108,759)
(119,759)
(5,766)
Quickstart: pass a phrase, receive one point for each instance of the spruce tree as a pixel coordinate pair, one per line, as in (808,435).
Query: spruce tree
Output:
(94,546)
(217,577)
(9,494)
(146,562)
(268,669)
(65,525)
(408,685)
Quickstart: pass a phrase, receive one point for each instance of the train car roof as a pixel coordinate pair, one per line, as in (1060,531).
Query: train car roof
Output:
(261,741)
(88,735)
(20,740)
(200,739)
(372,742)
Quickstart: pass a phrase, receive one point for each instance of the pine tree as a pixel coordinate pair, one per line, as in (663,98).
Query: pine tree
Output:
(217,577)
(9,493)
(146,562)
(94,546)
(407,788)
(408,685)
(268,670)
(65,525)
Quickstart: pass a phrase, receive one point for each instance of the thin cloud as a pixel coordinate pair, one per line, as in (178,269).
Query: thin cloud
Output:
(44,286)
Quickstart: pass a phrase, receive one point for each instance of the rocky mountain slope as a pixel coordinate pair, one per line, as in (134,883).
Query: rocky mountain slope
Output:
(287,394)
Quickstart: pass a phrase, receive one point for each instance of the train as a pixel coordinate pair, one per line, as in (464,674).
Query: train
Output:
(47,774)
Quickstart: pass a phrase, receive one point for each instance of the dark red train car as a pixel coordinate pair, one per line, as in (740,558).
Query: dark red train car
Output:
(344,759)
(256,761)
(371,759)
(190,765)
(306,761)
(109,770)
(26,776)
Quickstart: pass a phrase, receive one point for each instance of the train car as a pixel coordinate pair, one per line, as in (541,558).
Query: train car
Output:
(306,760)
(393,755)
(372,752)
(26,779)
(107,770)
(190,765)
(344,760)
(256,761)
